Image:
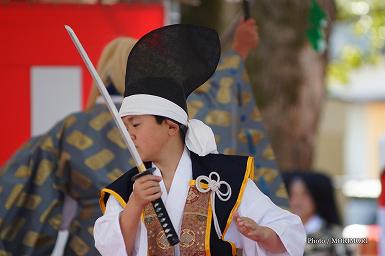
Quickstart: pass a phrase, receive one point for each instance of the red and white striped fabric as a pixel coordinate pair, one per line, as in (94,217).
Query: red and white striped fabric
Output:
(42,77)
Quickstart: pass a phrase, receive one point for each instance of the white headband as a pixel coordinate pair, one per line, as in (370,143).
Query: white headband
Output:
(199,137)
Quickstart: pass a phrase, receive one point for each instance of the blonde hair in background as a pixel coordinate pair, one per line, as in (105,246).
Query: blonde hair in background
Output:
(112,66)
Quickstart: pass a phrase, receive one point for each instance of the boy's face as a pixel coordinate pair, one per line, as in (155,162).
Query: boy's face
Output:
(148,136)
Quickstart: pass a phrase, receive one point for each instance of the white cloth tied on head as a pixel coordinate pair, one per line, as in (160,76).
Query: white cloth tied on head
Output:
(199,137)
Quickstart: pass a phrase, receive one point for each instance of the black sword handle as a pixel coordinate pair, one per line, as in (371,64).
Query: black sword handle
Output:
(165,222)
(246,9)
(161,213)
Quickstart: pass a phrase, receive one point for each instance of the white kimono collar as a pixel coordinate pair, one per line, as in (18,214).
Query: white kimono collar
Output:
(176,198)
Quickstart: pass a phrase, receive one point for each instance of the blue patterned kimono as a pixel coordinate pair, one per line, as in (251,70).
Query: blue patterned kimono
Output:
(226,103)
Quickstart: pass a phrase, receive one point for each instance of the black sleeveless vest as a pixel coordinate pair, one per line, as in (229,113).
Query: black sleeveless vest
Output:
(235,170)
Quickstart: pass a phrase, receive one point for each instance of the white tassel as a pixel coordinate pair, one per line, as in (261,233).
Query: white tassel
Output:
(214,185)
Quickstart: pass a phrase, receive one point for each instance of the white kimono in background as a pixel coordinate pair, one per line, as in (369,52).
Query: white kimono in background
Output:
(255,205)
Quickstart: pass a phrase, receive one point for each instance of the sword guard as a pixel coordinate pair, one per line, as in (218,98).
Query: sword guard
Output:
(141,174)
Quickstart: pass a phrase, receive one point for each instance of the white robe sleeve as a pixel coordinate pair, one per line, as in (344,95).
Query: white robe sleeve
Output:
(264,212)
(107,233)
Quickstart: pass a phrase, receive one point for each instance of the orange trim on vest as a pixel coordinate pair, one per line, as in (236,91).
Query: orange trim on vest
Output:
(114,194)
(249,170)
(233,248)
(101,201)
(209,219)
(208,230)
(194,182)
(250,165)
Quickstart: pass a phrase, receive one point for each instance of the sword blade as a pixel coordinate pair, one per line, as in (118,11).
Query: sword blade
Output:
(111,106)
(159,208)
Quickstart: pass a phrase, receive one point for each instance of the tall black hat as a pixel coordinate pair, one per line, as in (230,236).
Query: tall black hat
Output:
(163,68)
(172,61)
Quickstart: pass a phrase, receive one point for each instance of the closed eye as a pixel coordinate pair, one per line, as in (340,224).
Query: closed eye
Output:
(135,125)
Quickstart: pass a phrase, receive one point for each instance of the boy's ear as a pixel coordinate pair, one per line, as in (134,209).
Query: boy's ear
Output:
(173,127)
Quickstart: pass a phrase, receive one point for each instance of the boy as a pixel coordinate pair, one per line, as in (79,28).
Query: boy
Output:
(212,203)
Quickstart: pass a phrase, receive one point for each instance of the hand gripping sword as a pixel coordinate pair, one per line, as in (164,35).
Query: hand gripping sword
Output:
(158,204)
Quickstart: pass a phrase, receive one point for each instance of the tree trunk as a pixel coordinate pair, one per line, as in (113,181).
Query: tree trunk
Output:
(288,76)
(289,79)
(292,123)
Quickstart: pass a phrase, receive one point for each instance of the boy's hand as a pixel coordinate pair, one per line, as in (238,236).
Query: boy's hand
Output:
(250,229)
(146,189)
(266,237)
(245,38)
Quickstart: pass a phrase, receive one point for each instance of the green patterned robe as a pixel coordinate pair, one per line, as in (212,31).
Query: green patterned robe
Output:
(83,153)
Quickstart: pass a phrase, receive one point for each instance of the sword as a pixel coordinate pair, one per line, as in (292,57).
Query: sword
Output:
(158,204)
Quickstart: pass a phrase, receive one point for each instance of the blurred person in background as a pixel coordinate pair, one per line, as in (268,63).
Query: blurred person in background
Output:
(84,152)
(311,196)
(76,158)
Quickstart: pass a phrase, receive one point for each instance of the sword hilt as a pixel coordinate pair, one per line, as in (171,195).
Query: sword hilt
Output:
(161,213)
(165,221)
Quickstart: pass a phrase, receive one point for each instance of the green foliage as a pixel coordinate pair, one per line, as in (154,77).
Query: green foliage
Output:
(317,21)
(368,20)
